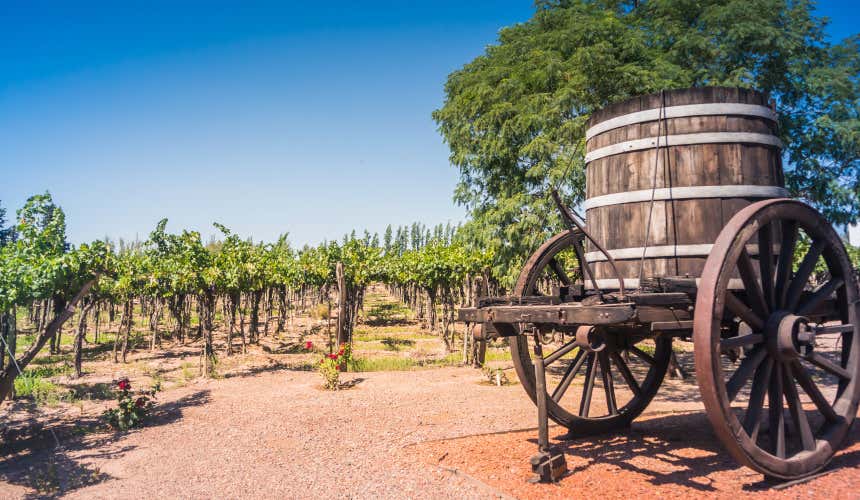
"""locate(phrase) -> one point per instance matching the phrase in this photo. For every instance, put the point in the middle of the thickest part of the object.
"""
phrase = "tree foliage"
(514, 117)
(39, 265)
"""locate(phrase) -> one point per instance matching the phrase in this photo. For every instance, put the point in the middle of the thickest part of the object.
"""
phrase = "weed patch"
(34, 384)
(382, 364)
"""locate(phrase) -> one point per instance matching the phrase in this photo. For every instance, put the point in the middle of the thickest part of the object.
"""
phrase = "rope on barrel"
(662, 131)
(573, 219)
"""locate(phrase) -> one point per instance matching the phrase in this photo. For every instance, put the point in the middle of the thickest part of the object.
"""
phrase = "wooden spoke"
(823, 292)
(798, 282)
(747, 272)
(760, 405)
(559, 272)
(828, 366)
(590, 372)
(741, 341)
(554, 263)
(765, 264)
(744, 372)
(786, 260)
(644, 356)
(798, 415)
(626, 374)
(568, 377)
(608, 388)
(566, 348)
(743, 311)
(752, 419)
(812, 391)
(776, 418)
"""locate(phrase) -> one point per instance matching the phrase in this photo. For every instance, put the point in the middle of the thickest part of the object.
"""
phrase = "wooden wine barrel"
(701, 154)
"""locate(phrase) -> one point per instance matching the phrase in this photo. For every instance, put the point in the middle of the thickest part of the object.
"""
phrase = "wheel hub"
(588, 338)
(789, 336)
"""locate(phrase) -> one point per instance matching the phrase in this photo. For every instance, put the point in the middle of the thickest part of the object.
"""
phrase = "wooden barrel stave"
(692, 223)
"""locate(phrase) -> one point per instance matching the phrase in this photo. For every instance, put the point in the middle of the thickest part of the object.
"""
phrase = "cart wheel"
(778, 343)
(630, 371)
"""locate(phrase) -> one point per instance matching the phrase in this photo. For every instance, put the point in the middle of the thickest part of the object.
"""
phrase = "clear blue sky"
(311, 118)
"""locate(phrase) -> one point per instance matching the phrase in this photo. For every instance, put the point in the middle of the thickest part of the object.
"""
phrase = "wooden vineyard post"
(342, 334)
(328, 328)
(478, 349)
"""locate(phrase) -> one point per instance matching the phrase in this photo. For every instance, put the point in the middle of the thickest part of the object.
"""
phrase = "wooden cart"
(689, 235)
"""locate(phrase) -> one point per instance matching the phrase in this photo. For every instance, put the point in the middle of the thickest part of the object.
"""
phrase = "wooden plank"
(668, 326)
(565, 314)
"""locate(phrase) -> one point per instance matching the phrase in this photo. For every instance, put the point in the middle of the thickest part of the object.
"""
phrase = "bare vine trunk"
(79, 338)
(61, 315)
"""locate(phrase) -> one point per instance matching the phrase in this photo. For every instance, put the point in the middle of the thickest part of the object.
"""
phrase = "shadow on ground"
(677, 449)
(55, 458)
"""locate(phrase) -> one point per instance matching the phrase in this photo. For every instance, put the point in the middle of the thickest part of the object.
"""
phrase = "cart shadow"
(678, 449)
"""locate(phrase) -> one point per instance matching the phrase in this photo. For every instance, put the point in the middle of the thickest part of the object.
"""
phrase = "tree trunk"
(342, 333)
(233, 299)
(268, 309)
(125, 324)
(98, 315)
(200, 313)
(254, 329)
(431, 306)
(119, 332)
(207, 355)
(61, 315)
(242, 324)
(79, 339)
(9, 340)
(282, 306)
(44, 318)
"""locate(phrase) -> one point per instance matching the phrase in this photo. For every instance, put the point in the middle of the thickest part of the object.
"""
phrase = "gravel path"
(275, 434)
(278, 435)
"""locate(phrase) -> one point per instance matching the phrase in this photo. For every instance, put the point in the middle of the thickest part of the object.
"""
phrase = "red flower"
(341, 368)
(124, 384)
(139, 403)
(309, 345)
(332, 356)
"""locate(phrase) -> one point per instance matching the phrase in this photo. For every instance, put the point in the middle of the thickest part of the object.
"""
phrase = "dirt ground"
(428, 433)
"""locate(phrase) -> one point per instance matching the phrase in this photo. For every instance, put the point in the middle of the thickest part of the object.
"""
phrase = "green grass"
(498, 355)
(189, 371)
(382, 364)
(34, 384)
(387, 311)
(383, 333)
(368, 346)
(646, 347)
(97, 391)
(452, 359)
(51, 366)
(395, 344)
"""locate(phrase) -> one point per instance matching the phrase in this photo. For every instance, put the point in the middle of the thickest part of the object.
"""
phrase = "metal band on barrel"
(664, 251)
(711, 109)
(686, 193)
(629, 283)
(684, 140)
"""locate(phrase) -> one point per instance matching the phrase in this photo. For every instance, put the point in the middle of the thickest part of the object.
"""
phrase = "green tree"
(41, 266)
(388, 239)
(7, 233)
(514, 118)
